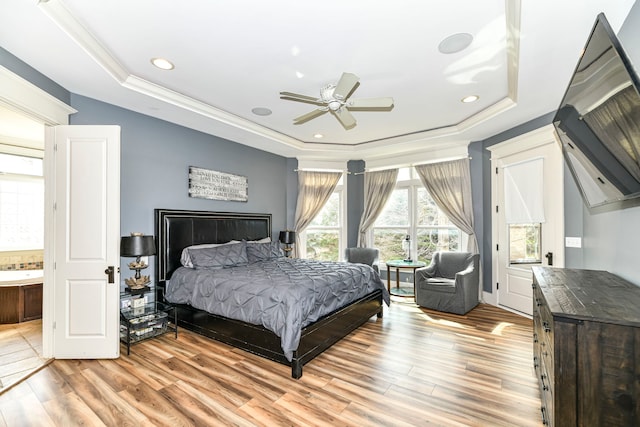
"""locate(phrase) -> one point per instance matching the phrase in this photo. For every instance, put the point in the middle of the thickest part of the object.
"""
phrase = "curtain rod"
(441, 161)
(347, 172)
(364, 171)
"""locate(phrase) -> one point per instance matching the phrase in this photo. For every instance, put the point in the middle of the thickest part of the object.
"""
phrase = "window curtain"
(314, 189)
(378, 186)
(449, 184)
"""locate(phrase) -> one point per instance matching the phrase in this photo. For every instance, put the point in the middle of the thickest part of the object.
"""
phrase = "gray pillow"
(229, 255)
(264, 251)
(185, 257)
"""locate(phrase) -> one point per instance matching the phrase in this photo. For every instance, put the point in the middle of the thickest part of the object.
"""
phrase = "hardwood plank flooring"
(20, 350)
(413, 367)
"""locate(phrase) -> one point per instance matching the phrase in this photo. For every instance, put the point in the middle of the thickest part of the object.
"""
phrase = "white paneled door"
(87, 234)
(528, 228)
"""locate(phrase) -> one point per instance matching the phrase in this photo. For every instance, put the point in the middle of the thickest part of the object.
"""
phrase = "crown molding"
(26, 98)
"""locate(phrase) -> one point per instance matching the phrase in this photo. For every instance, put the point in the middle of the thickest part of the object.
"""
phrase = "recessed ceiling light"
(261, 111)
(163, 64)
(455, 43)
(318, 135)
(470, 98)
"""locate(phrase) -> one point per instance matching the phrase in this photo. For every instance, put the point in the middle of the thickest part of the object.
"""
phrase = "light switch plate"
(573, 242)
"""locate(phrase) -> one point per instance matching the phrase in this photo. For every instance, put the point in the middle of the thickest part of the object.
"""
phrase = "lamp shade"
(137, 246)
(288, 237)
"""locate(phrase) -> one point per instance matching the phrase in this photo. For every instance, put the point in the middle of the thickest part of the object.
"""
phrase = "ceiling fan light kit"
(334, 98)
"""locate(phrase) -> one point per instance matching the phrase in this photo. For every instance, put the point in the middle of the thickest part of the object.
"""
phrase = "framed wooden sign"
(209, 184)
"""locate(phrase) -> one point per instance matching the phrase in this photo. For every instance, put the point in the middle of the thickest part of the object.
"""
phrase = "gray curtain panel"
(314, 189)
(449, 184)
(378, 186)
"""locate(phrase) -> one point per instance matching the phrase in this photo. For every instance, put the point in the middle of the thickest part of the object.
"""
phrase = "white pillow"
(264, 240)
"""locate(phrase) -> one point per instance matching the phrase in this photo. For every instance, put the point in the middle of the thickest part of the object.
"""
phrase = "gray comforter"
(283, 295)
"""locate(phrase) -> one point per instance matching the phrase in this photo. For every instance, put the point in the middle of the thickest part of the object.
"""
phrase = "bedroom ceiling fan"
(334, 98)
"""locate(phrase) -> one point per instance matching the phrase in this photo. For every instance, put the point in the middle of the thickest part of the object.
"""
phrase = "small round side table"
(399, 264)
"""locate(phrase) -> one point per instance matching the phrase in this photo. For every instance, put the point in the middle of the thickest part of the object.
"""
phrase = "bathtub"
(20, 295)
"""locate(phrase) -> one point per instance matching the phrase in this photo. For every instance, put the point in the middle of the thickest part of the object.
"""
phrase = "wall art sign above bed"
(209, 184)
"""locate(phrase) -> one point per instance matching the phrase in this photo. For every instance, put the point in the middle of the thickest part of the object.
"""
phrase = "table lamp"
(137, 245)
(288, 238)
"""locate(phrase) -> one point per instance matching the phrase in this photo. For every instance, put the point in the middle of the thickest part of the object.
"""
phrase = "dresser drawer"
(546, 393)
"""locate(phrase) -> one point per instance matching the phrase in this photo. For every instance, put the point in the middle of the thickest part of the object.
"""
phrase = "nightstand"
(147, 321)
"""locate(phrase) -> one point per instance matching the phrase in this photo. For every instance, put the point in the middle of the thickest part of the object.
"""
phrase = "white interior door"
(87, 233)
(512, 272)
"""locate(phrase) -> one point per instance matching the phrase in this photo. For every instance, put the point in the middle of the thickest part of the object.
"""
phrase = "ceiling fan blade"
(312, 115)
(300, 98)
(370, 103)
(347, 83)
(345, 117)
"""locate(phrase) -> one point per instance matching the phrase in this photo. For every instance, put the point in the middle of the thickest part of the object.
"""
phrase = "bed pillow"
(263, 240)
(221, 256)
(264, 251)
(185, 258)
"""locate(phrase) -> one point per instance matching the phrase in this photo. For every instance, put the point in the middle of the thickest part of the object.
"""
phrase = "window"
(21, 203)
(323, 238)
(411, 211)
(524, 243)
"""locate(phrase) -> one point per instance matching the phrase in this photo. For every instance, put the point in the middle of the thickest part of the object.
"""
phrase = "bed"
(178, 229)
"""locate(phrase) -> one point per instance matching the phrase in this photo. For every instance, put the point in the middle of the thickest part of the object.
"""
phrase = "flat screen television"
(598, 123)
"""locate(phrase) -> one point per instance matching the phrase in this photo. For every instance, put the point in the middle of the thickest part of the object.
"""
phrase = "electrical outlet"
(573, 242)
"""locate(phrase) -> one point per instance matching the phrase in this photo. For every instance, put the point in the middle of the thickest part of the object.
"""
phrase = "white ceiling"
(232, 56)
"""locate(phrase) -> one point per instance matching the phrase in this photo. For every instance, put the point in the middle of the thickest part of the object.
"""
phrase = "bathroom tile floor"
(20, 352)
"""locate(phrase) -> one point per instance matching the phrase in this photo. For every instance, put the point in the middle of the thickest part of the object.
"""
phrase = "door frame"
(537, 138)
(26, 98)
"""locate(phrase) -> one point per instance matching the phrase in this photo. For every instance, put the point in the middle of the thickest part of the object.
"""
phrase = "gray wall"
(355, 202)
(573, 221)
(33, 76)
(155, 159)
(479, 164)
(291, 193)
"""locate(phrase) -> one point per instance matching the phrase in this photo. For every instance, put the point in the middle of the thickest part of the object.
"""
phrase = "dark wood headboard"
(177, 229)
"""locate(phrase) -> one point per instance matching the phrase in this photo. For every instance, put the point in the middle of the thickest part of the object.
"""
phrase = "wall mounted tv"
(598, 123)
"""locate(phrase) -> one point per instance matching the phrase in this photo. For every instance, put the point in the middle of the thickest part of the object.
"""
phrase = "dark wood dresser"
(586, 347)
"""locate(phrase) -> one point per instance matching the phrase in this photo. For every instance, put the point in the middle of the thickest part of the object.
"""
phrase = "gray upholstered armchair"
(450, 283)
(367, 256)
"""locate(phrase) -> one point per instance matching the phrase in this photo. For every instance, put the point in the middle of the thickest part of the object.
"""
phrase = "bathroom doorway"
(21, 249)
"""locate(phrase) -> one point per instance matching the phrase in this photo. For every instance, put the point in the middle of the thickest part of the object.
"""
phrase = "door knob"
(549, 257)
(110, 272)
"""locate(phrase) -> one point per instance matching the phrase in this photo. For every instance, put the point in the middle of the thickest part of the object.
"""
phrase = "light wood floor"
(413, 367)
(20, 350)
